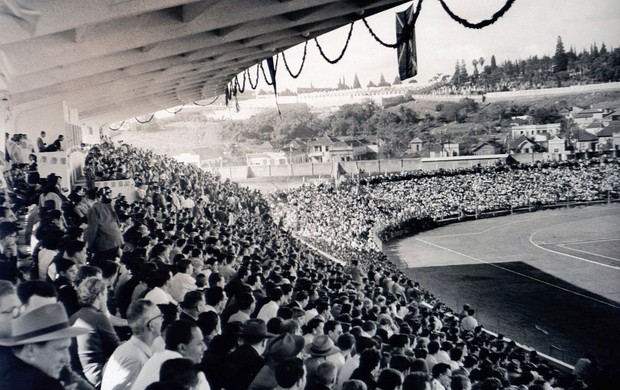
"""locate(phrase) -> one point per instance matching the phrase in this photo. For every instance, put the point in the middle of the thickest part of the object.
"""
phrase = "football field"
(549, 279)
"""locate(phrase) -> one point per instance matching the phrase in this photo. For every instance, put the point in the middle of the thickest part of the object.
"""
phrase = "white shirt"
(268, 311)
(159, 297)
(150, 372)
(181, 284)
(125, 364)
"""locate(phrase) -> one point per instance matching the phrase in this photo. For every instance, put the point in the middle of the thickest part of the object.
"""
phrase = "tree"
(493, 63)
(474, 62)
(456, 77)
(481, 62)
(356, 82)
(464, 75)
(397, 81)
(382, 82)
(370, 84)
(560, 59)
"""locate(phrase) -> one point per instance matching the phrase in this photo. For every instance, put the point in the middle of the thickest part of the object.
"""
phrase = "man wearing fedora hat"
(40, 341)
(319, 350)
(282, 347)
(244, 363)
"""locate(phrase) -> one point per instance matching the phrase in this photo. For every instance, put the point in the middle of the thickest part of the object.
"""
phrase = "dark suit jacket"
(17, 375)
(242, 365)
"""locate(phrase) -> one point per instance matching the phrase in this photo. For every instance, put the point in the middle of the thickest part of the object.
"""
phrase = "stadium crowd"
(346, 218)
(196, 286)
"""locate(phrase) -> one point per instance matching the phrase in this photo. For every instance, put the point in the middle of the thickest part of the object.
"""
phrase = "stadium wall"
(370, 167)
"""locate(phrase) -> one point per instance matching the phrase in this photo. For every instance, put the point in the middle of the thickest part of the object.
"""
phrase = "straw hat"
(45, 323)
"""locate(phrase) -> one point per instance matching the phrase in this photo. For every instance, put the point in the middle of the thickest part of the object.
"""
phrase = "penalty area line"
(520, 274)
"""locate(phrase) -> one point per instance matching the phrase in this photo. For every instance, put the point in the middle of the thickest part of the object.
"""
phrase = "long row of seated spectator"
(372, 204)
(195, 286)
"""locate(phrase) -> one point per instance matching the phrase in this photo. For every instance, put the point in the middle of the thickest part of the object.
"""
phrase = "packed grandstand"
(358, 323)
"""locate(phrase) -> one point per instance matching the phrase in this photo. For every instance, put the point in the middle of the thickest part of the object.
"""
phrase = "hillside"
(397, 125)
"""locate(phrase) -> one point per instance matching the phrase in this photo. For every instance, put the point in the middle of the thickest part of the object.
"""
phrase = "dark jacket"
(242, 365)
(17, 375)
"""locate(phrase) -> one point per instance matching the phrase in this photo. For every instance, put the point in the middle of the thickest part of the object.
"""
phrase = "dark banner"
(405, 34)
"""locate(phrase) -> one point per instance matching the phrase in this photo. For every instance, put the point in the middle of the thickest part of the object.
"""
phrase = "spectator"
(40, 353)
(94, 348)
(244, 363)
(290, 374)
(441, 376)
(103, 236)
(145, 321)
(182, 340)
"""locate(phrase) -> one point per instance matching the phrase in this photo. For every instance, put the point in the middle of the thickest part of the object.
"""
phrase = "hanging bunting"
(272, 73)
(406, 51)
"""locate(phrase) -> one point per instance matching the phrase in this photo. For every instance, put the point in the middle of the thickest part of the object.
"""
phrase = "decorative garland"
(344, 49)
(402, 37)
(175, 112)
(240, 88)
(481, 24)
(147, 121)
(118, 128)
(303, 61)
(275, 67)
(250, 79)
(208, 104)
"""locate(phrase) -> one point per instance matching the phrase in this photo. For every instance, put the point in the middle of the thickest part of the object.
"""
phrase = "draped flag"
(405, 34)
(25, 17)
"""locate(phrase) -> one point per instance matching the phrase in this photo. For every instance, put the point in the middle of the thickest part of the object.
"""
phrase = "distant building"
(524, 144)
(268, 158)
(585, 141)
(415, 146)
(584, 117)
(327, 149)
(609, 137)
(532, 131)
(445, 150)
(557, 146)
(296, 152)
(487, 147)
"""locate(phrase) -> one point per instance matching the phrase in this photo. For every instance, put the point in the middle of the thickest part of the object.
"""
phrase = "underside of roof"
(116, 59)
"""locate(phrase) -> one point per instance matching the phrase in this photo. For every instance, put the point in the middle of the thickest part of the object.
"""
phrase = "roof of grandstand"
(121, 59)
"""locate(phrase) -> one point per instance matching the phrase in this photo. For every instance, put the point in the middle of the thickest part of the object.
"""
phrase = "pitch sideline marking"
(520, 274)
(511, 223)
(487, 230)
(568, 255)
(589, 253)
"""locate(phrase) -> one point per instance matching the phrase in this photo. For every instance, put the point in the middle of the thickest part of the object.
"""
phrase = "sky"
(530, 27)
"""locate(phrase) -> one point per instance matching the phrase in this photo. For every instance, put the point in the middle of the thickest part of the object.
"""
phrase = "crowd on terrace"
(196, 286)
(381, 204)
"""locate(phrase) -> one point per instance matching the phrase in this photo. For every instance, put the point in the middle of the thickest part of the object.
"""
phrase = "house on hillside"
(585, 141)
(612, 116)
(524, 144)
(584, 117)
(487, 147)
(415, 145)
(609, 137)
(319, 149)
(532, 131)
(266, 158)
(556, 146)
(296, 152)
(265, 147)
(327, 149)
(209, 157)
(594, 127)
(445, 150)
